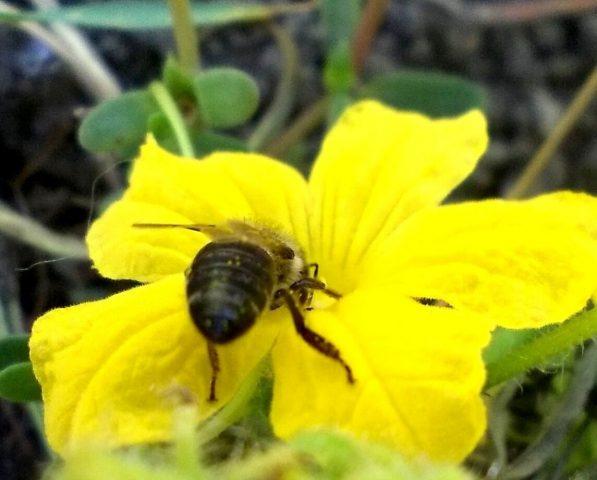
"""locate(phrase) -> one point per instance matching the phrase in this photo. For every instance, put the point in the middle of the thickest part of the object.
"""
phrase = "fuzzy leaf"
(118, 126)
(227, 97)
(13, 349)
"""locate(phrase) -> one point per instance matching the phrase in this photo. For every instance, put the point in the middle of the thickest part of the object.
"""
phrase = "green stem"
(185, 33)
(541, 349)
(175, 119)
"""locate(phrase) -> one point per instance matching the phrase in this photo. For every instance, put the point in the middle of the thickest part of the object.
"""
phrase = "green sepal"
(118, 126)
(18, 383)
(434, 94)
(207, 142)
(178, 82)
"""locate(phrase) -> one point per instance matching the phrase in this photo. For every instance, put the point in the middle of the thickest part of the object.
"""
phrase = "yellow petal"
(524, 264)
(114, 370)
(574, 209)
(166, 188)
(418, 375)
(120, 250)
(377, 167)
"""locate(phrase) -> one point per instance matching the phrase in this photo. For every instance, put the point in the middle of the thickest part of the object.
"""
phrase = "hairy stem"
(541, 349)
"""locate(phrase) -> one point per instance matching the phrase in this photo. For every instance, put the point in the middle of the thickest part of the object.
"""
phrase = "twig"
(527, 10)
(371, 18)
(28, 231)
(540, 160)
(513, 11)
(73, 49)
(281, 106)
(305, 123)
(95, 72)
(498, 422)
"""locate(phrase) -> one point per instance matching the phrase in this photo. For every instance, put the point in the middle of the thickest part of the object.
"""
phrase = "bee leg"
(315, 340)
(309, 298)
(315, 269)
(314, 284)
(214, 361)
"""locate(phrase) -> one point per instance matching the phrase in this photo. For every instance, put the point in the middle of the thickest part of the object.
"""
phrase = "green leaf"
(118, 126)
(434, 94)
(153, 14)
(18, 384)
(14, 349)
(227, 97)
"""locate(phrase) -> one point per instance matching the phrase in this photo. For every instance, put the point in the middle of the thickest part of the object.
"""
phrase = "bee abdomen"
(228, 286)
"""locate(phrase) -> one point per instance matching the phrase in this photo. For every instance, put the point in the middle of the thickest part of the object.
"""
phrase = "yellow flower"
(114, 369)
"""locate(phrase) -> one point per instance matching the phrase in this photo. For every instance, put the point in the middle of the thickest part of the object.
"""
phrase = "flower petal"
(524, 264)
(114, 370)
(418, 375)
(166, 188)
(377, 167)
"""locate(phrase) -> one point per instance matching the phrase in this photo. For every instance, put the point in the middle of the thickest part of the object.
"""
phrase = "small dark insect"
(245, 270)
(433, 302)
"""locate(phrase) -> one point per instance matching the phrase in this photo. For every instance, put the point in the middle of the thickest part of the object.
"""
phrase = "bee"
(245, 270)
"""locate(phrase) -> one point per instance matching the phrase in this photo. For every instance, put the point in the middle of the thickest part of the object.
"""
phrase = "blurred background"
(523, 60)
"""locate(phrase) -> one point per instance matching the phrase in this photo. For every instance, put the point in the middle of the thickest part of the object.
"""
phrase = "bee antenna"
(194, 227)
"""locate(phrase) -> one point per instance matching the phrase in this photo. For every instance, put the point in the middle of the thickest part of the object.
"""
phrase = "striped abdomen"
(228, 286)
